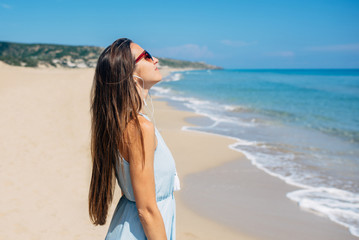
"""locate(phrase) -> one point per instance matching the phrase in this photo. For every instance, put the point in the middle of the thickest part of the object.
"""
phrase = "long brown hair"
(114, 102)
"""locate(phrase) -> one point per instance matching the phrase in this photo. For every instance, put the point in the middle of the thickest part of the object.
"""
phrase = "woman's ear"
(137, 77)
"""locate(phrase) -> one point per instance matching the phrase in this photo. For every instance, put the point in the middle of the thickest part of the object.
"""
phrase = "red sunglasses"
(145, 55)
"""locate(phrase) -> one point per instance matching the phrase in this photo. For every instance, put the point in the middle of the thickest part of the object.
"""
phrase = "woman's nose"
(156, 60)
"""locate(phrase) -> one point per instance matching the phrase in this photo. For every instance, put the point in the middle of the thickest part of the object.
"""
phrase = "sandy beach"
(45, 169)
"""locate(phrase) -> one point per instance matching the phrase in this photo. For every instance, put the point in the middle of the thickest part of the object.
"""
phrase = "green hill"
(33, 55)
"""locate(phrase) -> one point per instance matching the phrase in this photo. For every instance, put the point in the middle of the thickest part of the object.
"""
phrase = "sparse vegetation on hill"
(185, 64)
(33, 55)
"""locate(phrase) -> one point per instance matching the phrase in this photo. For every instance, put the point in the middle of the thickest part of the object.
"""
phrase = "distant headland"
(54, 55)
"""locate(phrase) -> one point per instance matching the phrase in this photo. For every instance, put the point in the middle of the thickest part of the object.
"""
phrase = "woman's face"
(145, 68)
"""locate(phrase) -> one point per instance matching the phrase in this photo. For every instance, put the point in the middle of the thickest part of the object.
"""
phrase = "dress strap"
(145, 116)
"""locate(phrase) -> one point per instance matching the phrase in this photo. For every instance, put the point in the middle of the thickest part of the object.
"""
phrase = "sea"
(299, 125)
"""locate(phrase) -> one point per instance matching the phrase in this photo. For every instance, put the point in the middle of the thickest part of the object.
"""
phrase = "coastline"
(261, 198)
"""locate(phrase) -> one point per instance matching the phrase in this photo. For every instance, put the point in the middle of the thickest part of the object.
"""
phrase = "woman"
(126, 144)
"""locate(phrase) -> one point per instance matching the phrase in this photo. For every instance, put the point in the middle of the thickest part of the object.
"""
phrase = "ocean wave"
(240, 109)
(338, 205)
(160, 90)
(172, 77)
(351, 135)
(205, 108)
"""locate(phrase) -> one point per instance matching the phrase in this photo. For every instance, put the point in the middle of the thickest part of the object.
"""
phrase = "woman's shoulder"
(146, 126)
(132, 136)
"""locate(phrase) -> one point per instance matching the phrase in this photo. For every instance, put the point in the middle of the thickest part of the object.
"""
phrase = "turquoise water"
(298, 125)
(327, 100)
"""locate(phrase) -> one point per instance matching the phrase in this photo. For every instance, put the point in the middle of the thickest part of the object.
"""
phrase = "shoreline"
(264, 205)
(331, 229)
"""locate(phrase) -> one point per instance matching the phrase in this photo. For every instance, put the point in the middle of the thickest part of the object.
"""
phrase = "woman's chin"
(157, 81)
(159, 77)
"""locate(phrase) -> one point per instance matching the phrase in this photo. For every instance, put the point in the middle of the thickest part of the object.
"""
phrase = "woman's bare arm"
(143, 180)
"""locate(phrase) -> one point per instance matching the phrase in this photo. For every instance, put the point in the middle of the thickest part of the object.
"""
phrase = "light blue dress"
(125, 223)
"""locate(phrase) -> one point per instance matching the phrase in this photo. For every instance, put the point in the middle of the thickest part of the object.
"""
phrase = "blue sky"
(231, 34)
